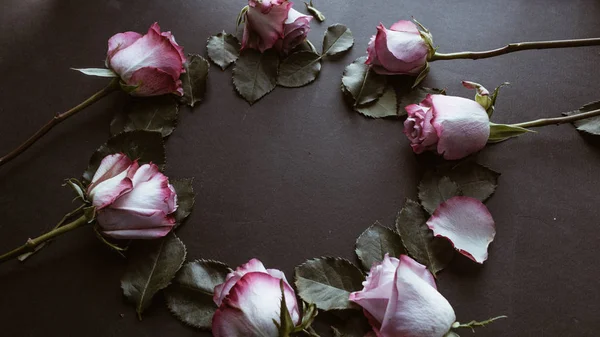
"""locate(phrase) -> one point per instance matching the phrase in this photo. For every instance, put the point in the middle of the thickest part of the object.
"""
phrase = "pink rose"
(400, 298)
(132, 201)
(153, 62)
(454, 127)
(249, 302)
(400, 50)
(274, 24)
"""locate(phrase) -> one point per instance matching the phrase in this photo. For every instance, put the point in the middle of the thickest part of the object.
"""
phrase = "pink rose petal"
(467, 223)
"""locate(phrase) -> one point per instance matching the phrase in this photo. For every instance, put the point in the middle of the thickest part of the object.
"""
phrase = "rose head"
(454, 127)
(249, 302)
(132, 201)
(400, 50)
(400, 298)
(153, 63)
(274, 24)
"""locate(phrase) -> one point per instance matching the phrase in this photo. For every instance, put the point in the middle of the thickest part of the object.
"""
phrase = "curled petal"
(120, 41)
(416, 308)
(134, 223)
(467, 223)
(253, 306)
(222, 290)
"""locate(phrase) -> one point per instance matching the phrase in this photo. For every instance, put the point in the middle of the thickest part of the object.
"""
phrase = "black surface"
(298, 175)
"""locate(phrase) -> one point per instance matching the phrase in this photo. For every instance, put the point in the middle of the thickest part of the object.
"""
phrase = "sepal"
(314, 11)
(502, 132)
(427, 37)
(241, 16)
(421, 76)
(98, 72)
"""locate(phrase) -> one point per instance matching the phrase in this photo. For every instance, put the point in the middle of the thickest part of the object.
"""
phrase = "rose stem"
(113, 85)
(558, 120)
(516, 47)
(32, 243)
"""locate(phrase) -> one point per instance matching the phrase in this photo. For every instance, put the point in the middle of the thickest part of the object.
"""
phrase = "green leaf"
(384, 106)
(338, 38)
(418, 239)
(502, 132)
(193, 80)
(223, 49)
(474, 180)
(375, 242)
(185, 198)
(347, 323)
(360, 81)
(150, 113)
(255, 74)
(415, 96)
(589, 126)
(190, 296)
(314, 12)
(146, 146)
(152, 266)
(99, 72)
(299, 69)
(434, 190)
(327, 282)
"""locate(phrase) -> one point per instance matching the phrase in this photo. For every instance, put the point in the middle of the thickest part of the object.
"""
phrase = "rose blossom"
(274, 24)
(452, 126)
(132, 201)
(400, 50)
(249, 302)
(400, 298)
(153, 62)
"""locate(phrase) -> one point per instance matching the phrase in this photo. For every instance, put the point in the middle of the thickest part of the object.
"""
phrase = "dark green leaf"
(255, 74)
(434, 190)
(415, 96)
(306, 45)
(384, 106)
(146, 146)
(190, 296)
(193, 80)
(152, 266)
(314, 12)
(223, 49)
(418, 239)
(299, 69)
(346, 323)
(474, 180)
(327, 282)
(338, 38)
(362, 83)
(502, 132)
(589, 125)
(375, 242)
(150, 114)
(185, 198)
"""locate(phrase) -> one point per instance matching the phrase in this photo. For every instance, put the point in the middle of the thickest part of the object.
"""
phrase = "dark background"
(299, 175)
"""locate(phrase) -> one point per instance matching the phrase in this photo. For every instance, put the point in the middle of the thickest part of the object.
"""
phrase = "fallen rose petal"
(467, 223)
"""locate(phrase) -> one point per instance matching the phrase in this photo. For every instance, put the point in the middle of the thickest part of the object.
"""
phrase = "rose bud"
(454, 127)
(150, 64)
(132, 201)
(274, 24)
(400, 298)
(296, 27)
(249, 302)
(400, 50)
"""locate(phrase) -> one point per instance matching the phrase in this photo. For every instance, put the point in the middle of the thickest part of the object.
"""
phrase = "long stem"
(32, 243)
(558, 120)
(513, 47)
(112, 86)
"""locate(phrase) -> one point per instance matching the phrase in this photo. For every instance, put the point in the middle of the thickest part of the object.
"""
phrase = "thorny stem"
(112, 86)
(513, 47)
